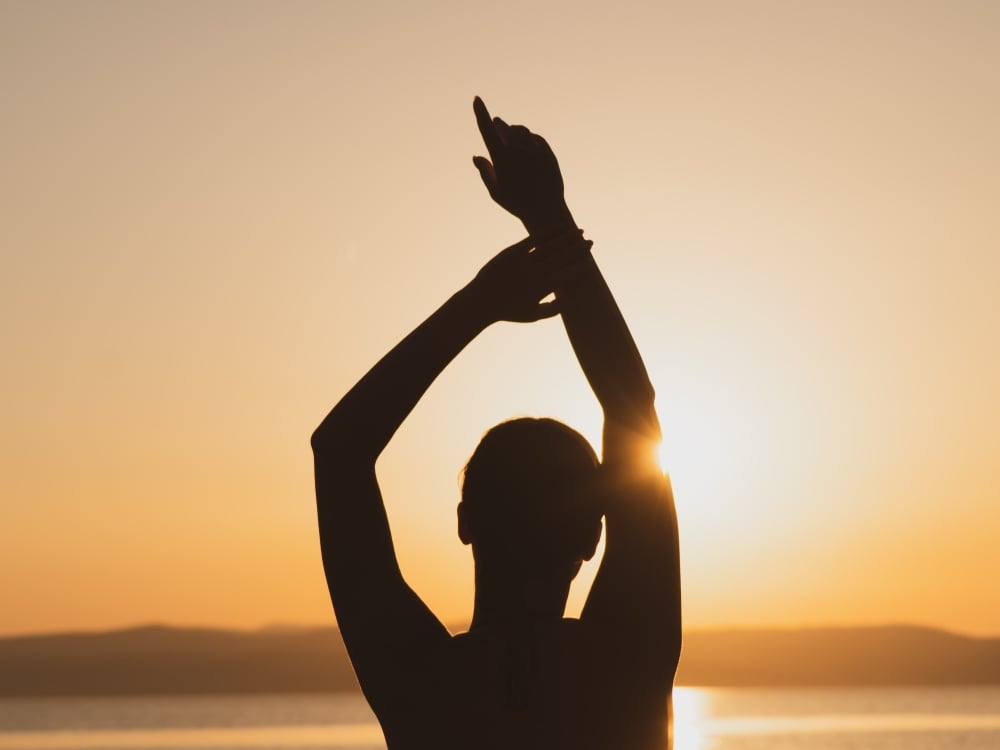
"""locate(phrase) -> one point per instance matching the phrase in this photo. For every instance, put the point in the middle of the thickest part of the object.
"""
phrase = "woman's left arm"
(381, 619)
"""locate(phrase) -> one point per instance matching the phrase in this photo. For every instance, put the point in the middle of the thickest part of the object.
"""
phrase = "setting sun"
(218, 217)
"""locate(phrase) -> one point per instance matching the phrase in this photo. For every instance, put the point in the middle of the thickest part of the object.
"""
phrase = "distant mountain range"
(166, 660)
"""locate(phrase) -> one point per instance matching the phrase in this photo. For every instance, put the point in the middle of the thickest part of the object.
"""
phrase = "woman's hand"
(513, 284)
(524, 176)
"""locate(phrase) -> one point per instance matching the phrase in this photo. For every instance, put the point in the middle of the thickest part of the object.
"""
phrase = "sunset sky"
(217, 216)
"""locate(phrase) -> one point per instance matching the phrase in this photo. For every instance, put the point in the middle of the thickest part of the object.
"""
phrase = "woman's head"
(530, 496)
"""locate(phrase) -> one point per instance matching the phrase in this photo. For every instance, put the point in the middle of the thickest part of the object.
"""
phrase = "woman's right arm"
(635, 598)
(636, 593)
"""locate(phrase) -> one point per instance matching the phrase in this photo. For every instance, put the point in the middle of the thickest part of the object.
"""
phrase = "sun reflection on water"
(690, 710)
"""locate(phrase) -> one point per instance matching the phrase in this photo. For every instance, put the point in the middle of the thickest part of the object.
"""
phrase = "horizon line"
(456, 627)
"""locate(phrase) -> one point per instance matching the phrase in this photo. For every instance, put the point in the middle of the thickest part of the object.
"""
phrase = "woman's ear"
(464, 532)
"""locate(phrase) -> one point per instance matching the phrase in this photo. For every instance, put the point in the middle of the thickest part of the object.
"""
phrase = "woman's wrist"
(552, 224)
(568, 248)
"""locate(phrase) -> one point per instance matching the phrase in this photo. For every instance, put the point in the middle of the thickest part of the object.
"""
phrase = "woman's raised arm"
(635, 598)
(381, 619)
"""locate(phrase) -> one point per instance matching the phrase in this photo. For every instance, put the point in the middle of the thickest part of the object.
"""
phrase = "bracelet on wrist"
(570, 245)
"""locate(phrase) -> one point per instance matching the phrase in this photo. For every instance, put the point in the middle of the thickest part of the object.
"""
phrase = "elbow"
(339, 443)
(331, 435)
(329, 443)
(318, 439)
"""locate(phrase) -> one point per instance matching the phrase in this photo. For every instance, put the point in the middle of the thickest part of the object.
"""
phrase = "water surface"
(706, 719)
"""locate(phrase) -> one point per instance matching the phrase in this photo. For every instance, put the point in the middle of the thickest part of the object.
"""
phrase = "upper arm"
(635, 598)
(385, 625)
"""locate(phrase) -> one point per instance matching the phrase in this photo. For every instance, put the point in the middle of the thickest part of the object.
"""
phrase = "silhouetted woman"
(533, 496)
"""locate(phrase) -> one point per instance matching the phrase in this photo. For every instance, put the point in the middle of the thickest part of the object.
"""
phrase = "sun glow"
(662, 457)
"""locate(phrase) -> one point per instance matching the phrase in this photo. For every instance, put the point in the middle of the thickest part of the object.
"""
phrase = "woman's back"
(551, 684)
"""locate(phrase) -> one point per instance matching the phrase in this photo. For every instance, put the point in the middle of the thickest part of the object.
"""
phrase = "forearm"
(358, 556)
(603, 343)
(364, 420)
(525, 179)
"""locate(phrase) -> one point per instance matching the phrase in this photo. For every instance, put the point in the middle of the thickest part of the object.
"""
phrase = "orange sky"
(217, 217)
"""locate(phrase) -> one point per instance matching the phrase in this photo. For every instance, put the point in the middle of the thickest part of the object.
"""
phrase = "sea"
(959, 718)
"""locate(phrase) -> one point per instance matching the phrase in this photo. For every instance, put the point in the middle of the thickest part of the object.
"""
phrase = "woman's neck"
(503, 599)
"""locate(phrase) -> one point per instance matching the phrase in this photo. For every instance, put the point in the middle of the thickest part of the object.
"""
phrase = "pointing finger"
(487, 128)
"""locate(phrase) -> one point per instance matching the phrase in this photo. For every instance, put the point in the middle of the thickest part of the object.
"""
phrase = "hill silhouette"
(165, 660)
(890, 655)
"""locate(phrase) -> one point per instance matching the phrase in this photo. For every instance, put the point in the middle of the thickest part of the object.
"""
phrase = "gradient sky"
(217, 216)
